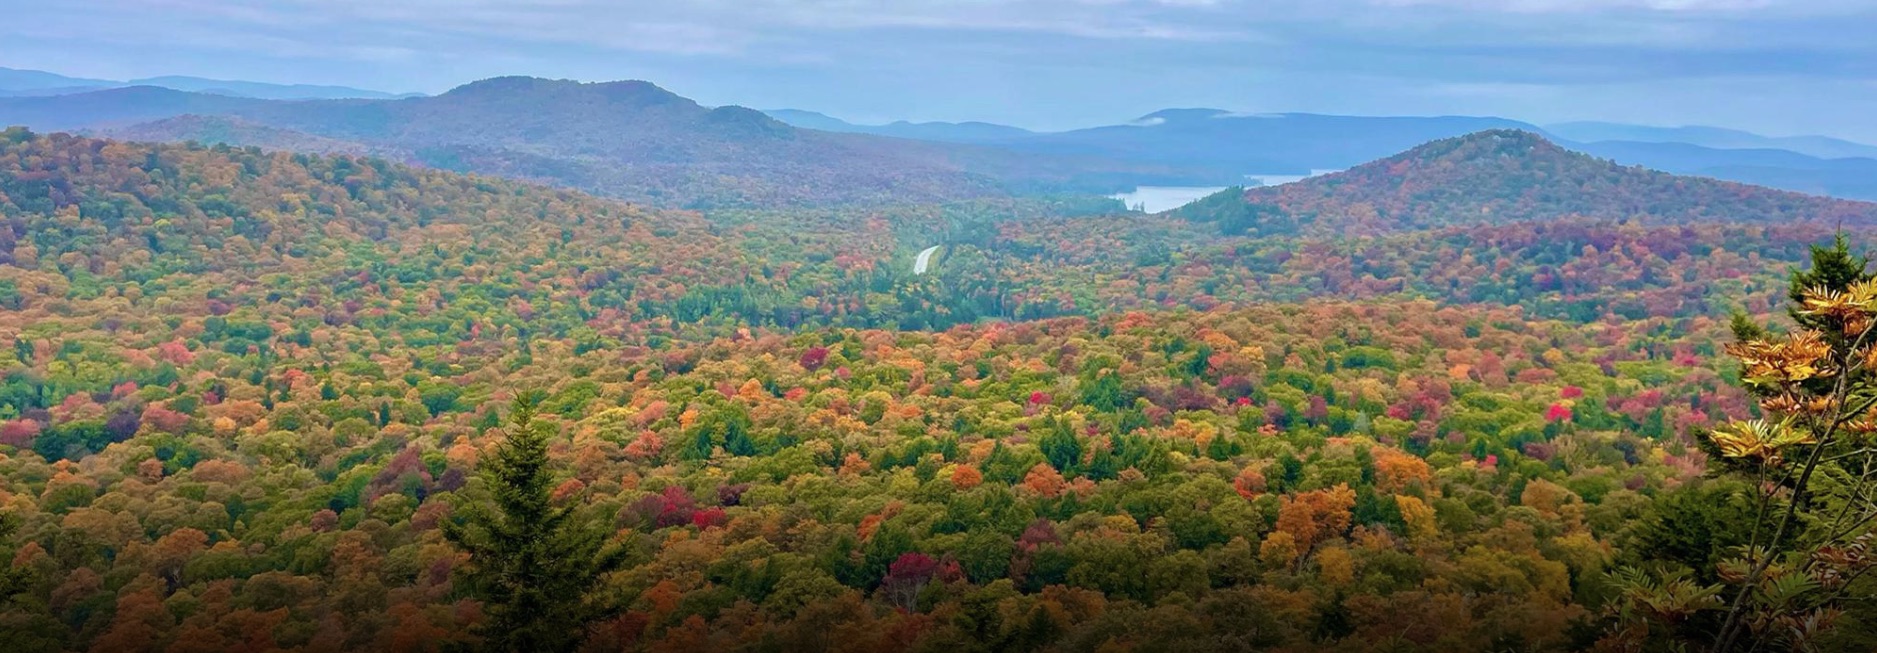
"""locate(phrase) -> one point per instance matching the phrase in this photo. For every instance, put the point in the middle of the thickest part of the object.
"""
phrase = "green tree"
(1104, 392)
(535, 568)
(1810, 461)
(1061, 447)
(1835, 268)
(12, 580)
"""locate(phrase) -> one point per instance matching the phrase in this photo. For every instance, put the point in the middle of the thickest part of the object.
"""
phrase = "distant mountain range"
(630, 140)
(1502, 176)
(1712, 137)
(637, 141)
(27, 83)
(950, 132)
(1296, 144)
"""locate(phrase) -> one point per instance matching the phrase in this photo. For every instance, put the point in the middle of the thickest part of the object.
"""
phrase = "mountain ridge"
(1256, 144)
(625, 139)
(969, 131)
(1823, 147)
(39, 82)
(1498, 176)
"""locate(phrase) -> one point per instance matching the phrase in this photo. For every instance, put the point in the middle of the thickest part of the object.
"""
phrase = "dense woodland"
(265, 401)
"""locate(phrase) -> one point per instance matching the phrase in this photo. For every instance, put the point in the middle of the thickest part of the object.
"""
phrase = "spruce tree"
(1833, 268)
(12, 580)
(533, 566)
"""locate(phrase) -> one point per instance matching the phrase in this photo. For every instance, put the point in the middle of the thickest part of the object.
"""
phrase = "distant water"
(1154, 199)
(1279, 180)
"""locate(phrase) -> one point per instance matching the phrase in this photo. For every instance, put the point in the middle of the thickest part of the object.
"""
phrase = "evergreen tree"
(1833, 268)
(1060, 446)
(701, 447)
(13, 579)
(736, 439)
(531, 564)
(1104, 393)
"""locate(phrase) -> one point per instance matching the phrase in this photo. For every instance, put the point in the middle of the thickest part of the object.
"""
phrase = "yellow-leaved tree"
(1809, 460)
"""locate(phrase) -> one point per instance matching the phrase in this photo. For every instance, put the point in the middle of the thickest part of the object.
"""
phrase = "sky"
(1780, 67)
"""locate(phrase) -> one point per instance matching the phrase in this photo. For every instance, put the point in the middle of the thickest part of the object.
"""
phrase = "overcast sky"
(1775, 66)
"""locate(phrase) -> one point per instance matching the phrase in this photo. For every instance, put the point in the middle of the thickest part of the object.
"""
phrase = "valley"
(333, 374)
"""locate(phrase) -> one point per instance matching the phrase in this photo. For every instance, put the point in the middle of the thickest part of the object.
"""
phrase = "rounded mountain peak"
(634, 92)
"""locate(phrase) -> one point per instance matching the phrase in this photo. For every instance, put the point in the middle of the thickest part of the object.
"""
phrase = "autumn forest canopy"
(365, 377)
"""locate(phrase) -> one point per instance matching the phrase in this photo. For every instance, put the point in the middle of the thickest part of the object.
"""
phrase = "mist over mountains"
(16, 82)
(638, 141)
(1297, 143)
(630, 139)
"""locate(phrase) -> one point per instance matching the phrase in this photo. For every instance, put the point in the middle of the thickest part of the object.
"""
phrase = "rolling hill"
(252, 388)
(1502, 176)
(191, 214)
(630, 140)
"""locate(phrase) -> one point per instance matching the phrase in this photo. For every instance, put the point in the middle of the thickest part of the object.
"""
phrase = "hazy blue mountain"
(1677, 157)
(950, 132)
(961, 132)
(45, 92)
(264, 90)
(627, 139)
(1823, 147)
(13, 79)
(1293, 143)
(1851, 177)
(16, 83)
(636, 140)
(1213, 138)
(1497, 177)
(115, 107)
(814, 120)
(1297, 144)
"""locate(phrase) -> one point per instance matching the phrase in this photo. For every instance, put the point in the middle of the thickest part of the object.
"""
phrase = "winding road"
(924, 262)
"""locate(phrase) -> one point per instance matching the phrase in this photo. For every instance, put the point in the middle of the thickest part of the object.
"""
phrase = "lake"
(1154, 199)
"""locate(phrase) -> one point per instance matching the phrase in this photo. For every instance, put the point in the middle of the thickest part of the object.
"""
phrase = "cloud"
(745, 27)
(1581, 6)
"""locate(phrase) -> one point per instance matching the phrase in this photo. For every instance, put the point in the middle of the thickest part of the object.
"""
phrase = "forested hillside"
(264, 401)
(1501, 176)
